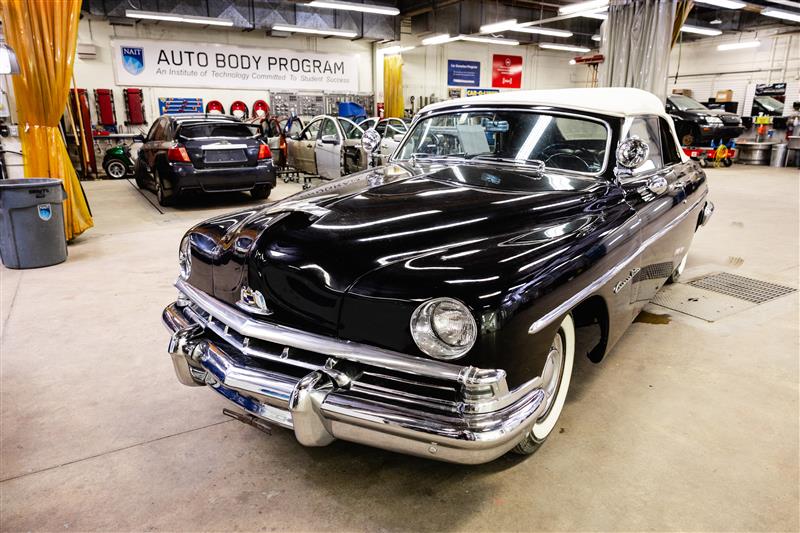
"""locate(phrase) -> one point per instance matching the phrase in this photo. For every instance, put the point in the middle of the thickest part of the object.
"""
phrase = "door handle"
(658, 185)
(309, 145)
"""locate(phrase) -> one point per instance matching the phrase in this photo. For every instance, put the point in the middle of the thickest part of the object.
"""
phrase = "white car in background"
(328, 147)
(391, 131)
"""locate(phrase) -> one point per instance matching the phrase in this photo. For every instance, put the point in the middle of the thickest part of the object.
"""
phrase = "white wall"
(99, 72)
(706, 70)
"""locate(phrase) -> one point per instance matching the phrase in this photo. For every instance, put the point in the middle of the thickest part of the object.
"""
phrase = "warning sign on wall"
(506, 71)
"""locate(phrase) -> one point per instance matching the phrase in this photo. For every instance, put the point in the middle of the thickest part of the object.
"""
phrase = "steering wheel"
(561, 150)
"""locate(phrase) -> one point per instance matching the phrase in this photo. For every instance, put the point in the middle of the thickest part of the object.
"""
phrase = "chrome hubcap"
(117, 170)
(551, 375)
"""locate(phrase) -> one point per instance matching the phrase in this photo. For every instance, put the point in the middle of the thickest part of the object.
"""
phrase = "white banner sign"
(139, 62)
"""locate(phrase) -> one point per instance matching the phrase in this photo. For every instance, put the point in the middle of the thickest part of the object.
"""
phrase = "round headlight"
(185, 258)
(443, 328)
(370, 140)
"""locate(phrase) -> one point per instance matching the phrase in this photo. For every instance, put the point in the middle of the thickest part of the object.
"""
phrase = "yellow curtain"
(393, 86)
(44, 35)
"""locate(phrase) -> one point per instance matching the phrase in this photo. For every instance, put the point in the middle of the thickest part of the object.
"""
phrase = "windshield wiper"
(535, 164)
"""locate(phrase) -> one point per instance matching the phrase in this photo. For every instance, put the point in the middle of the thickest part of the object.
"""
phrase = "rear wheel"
(556, 376)
(678, 272)
(139, 174)
(261, 192)
(115, 169)
(164, 193)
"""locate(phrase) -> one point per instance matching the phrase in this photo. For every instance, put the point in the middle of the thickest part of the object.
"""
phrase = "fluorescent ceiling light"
(582, 6)
(701, 31)
(314, 31)
(439, 39)
(565, 47)
(391, 50)
(496, 27)
(172, 17)
(727, 4)
(596, 38)
(778, 14)
(739, 46)
(353, 6)
(573, 62)
(542, 31)
(490, 40)
(597, 16)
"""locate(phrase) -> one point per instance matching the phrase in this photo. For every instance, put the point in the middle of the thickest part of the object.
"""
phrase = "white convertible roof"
(615, 101)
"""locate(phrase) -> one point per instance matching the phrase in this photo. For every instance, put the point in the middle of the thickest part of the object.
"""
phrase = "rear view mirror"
(329, 139)
(138, 138)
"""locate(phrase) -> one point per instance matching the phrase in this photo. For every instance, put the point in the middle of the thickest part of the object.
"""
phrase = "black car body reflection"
(341, 270)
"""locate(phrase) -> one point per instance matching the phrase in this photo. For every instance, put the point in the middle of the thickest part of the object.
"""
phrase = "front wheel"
(556, 376)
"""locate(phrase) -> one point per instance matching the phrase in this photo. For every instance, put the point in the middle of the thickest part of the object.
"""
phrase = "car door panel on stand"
(329, 150)
(304, 147)
(656, 192)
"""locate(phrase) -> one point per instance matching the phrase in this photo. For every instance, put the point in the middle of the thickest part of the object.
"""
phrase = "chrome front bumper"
(324, 389)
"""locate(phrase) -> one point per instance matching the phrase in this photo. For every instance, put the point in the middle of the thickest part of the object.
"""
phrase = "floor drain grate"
(743, 288)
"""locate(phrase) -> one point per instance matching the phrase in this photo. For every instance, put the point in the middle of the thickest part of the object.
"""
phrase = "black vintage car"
(209, 153)
(433, 306)
(698, 125)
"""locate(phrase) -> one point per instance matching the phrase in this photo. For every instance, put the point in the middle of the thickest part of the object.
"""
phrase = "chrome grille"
(376, 384)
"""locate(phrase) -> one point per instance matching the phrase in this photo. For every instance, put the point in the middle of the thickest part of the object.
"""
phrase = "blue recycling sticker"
(45, 211)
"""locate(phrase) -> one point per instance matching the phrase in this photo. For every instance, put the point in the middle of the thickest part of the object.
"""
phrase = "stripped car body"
(305, 313)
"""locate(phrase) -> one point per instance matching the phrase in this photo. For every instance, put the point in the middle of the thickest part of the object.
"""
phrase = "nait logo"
(133, 59)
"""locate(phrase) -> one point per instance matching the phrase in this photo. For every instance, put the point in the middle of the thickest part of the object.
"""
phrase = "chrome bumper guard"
(323, 388)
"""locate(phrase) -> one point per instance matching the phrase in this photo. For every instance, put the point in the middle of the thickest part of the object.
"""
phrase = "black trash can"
(32, 222)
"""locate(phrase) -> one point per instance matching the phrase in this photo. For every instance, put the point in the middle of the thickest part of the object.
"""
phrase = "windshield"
(684, 103)
(770, 103)
(565, 143)
(237, 131)
(351, 131)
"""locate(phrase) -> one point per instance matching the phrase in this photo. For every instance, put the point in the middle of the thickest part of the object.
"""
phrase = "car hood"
(304, 253)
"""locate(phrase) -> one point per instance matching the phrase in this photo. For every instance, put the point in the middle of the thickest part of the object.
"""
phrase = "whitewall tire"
(556, 377)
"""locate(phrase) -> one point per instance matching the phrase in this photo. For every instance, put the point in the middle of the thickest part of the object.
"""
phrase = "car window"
(669, 148)
(273, 128)
(684, 103)
(367, 124)
(398, 125)
(312, 130)
(229, 131)
(381, 127)
(351, 131)
(647, 130)
(329, 128)
(558, 142)
(156, 131)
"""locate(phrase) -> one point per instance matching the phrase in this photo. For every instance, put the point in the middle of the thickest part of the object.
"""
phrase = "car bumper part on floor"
(323, 388)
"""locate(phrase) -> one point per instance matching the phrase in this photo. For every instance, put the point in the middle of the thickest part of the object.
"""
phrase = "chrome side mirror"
(632, 153)
(398, 137)
(329, 139)
(370, 140)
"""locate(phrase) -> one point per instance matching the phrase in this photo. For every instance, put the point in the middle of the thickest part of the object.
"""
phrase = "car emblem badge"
(619, 286)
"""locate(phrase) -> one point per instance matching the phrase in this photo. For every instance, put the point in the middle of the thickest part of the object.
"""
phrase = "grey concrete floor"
(687, 425)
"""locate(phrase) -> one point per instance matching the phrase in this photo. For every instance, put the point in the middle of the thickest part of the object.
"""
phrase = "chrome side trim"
(347, 350)
(594, 286)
